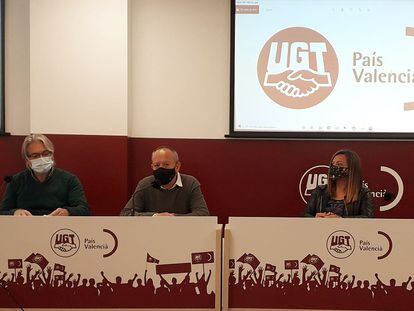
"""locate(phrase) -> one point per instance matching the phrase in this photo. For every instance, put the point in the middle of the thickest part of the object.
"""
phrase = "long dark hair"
(354, 178)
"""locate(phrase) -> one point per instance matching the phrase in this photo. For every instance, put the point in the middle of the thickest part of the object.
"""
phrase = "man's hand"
(327, 215)
(332, 215)
(163, 214)
(22, 212)
(60, 212)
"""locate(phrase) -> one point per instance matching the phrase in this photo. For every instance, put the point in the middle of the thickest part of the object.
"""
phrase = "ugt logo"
(297, 68)
(313, 177)
(65, 243)
(340, 244)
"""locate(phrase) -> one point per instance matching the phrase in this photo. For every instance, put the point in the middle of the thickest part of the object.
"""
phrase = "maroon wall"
(238, 177)
(10, 159)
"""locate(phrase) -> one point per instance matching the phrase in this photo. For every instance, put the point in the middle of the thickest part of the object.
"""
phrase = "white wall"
(180, 68)
(78, 66)
(175, 82)
(17, 55)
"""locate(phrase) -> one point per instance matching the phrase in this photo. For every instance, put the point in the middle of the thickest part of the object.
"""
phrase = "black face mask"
(164, 175)
(337, 172)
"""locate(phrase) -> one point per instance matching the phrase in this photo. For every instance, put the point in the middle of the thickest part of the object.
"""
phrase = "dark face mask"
(164, 175)
(337, 172)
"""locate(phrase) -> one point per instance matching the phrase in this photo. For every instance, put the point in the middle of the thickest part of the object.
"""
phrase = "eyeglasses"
(164, 165)
(43, 154)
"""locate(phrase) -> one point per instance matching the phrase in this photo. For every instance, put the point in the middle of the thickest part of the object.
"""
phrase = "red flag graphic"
(249, 259)
(59, 267)
(204, 257)
(333, 268)
(38, 259)
(173, 268)
(313, 260)
(270, 277)
(270, 267)
(151, 259)
(291, 264)
(59, 277)
(232, 264)
(306, 259)
(15, 263)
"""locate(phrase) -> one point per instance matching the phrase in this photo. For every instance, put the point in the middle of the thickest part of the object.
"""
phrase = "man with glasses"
(166, 192)
(43, 189)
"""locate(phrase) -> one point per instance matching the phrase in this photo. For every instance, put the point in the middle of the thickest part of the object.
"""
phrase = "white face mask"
(42, 165)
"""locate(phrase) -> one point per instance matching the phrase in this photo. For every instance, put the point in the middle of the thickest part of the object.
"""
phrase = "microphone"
(155, 184)
(388, 196)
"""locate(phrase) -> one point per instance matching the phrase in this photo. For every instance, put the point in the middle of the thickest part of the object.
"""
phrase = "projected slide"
(324, 66)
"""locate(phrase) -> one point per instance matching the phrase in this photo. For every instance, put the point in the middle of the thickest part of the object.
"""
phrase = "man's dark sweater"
(186, 200)
(60, 189)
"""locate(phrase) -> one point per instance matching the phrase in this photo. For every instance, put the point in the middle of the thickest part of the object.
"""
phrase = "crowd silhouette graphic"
(35, 283)
(312, 284)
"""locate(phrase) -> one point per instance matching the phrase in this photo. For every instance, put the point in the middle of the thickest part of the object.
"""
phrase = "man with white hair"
(43, 189)
(166, 192)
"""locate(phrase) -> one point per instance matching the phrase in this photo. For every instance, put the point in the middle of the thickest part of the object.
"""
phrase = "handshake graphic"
(297, 83)
(65, 247)
(340, 248)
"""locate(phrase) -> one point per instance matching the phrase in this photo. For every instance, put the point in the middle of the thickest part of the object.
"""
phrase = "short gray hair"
(175, 153)
(33, 138)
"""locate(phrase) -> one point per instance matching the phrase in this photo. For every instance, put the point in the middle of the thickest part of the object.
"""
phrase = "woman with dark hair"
(344, 195)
